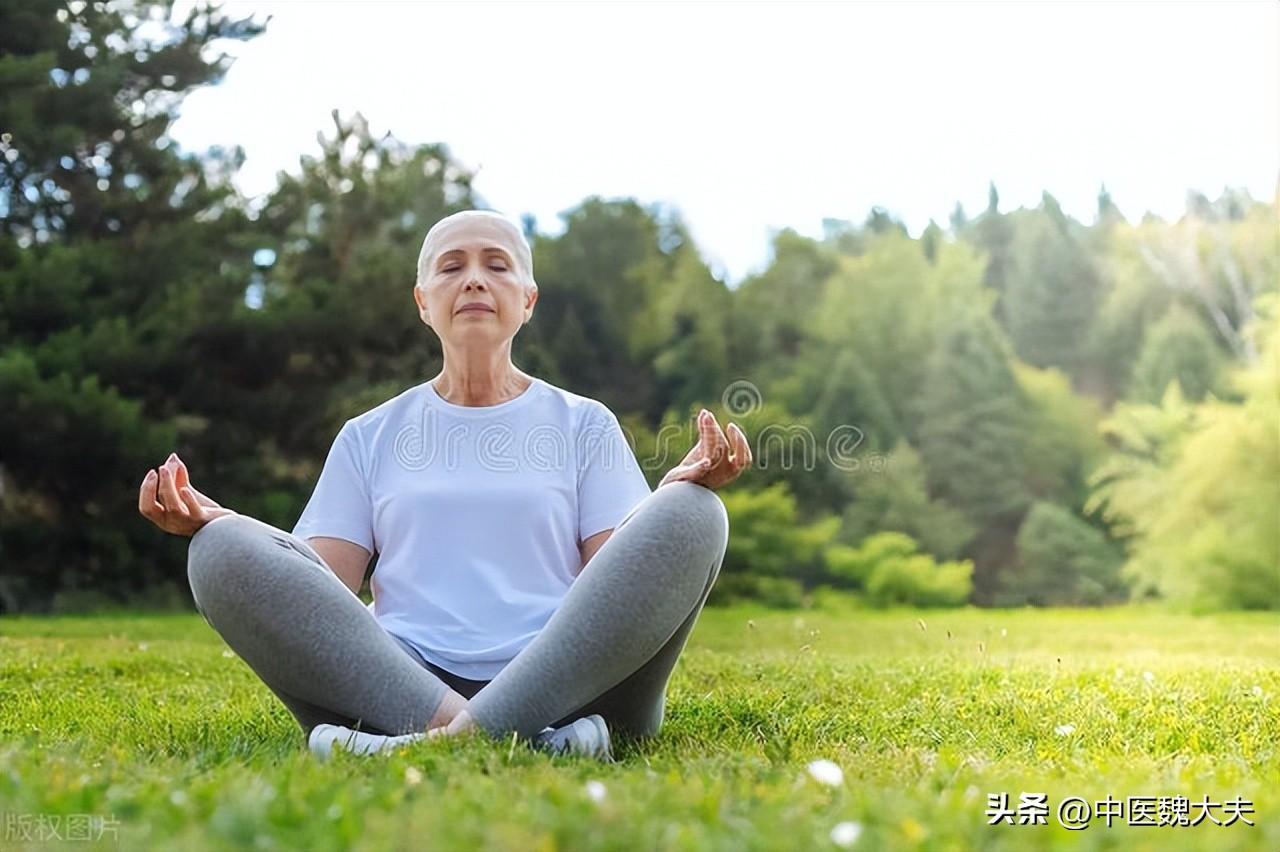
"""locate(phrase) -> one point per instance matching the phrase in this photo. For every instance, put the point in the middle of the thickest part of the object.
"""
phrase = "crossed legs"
(303, 632)
(610, 648)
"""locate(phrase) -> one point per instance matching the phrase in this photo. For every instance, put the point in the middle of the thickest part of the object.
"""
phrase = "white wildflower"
(1148, 677)
(846, 833)
(1065, 730)
(826, 772)
(596, 791)
(1257, 691)
(228, 653)
(412, 776)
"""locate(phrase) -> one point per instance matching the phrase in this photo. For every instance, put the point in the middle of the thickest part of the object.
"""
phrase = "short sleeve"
(610, 482)
(340, 506)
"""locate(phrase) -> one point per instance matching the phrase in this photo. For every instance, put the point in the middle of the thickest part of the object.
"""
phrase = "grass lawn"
(148, 725)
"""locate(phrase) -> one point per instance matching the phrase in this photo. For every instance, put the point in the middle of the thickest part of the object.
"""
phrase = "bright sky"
(750, 117)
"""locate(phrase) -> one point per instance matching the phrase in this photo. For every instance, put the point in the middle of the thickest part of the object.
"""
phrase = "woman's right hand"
(168, 500)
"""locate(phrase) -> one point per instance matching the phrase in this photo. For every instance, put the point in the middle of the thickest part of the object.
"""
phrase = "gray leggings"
(609, 648)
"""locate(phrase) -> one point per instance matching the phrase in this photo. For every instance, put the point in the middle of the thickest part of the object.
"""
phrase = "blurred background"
(991, 287)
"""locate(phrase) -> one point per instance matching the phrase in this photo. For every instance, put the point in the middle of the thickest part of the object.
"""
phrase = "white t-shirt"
(476, 513)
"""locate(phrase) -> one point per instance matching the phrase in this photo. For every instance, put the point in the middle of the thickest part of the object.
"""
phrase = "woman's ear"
(529, 303)
(420, 299)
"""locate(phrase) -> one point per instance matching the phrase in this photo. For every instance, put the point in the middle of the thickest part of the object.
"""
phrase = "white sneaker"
(324, 738)
(588, 736)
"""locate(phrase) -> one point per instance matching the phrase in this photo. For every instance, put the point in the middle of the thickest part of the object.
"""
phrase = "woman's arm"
(345, 559)
(589, 547)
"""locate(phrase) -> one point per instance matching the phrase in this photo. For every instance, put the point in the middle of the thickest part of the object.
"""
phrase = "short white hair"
(524, 256)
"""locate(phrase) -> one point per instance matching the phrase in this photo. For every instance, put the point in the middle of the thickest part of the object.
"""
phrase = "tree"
(1194, 488)
(113, 247)
(1052, 290)
(972, 434)
(609, 265)
(896, 498)
(929, 240)
(992, 231)
(1177, 348)
(1221, 255)
(689, 317)
(1062, 443)
(1108, 214)
(1063, 561)
(773, 311)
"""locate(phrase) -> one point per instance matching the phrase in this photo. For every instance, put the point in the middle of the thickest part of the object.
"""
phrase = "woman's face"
(474, 263)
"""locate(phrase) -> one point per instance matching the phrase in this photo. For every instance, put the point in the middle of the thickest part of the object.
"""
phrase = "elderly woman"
(527, 581)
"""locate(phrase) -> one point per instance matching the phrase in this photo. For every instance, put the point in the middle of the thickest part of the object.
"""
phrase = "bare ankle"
(452, 705)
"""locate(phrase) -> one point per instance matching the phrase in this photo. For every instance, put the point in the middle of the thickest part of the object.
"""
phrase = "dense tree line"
(1018, 408)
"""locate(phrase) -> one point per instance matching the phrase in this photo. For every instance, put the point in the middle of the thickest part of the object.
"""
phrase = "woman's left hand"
(716, 460)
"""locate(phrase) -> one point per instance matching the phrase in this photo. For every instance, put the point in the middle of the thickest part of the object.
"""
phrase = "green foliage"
(146, 307)
(112, 245)
(689, 339)
(1177, 348)
(1196, 490)
(775, 310)
(891, 571)
(973, 422)
(773, 592)
(853, 566)
(1064, 562)
(992, 232)
(1052, 289)
(1062, 442)
(597, 285)
(919, 581)
(88, 91)
(894, 497)
(768, 540)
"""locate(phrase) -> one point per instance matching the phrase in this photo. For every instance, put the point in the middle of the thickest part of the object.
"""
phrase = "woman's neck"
(491, 385)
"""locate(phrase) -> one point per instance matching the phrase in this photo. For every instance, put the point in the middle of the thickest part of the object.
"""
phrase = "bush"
(766, 537)
(831, 599)
(919, 581)
(1064, 562)
(779, 592)
(897, 499)
(853, 566)
(890, 569)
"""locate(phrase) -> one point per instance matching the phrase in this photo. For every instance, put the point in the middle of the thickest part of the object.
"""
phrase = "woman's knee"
(701, 509)
(225, 547)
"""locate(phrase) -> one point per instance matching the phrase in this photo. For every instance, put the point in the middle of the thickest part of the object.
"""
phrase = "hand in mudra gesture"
(716, 460)
(168, 500)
